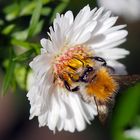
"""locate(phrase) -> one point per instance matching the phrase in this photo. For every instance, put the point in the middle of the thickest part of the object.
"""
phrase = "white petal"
(128, 9)
(53, 114)
(69, 15)
(41, 64)
(47, 45)
(107, 24)
(114, 53)
(111, 38)
(119, 68)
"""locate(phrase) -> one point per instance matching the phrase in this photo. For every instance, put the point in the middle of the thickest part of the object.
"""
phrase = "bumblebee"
(91, 78)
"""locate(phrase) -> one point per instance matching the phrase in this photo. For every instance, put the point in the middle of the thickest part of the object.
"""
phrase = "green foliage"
(59, 8)
(126, 112)
(35, 18)
(21, 26)
(24, 56)
(8, 29)
(9, 73)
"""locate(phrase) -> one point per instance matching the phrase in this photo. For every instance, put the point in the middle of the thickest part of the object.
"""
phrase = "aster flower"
(133, 133)
(129, 9)
(55, 99)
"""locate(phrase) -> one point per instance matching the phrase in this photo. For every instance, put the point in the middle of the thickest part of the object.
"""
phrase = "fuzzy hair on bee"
(97, 81)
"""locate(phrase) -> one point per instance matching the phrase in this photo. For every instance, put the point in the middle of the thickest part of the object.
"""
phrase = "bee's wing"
(125, 81)
(104, 108)
(102, 112)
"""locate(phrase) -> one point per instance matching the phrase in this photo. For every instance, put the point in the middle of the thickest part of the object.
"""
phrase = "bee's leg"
(100, 59)
(111, 69)
(74, 80)
(68, 87)
(72, 68)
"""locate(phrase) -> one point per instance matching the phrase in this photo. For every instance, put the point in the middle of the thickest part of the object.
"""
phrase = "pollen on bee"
(71, 57)
(70, 62)
(103, 86)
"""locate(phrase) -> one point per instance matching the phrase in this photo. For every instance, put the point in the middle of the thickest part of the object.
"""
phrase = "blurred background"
(22, 24)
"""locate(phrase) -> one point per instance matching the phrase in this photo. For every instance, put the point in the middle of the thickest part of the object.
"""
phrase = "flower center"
(70, 64)
(73, 58)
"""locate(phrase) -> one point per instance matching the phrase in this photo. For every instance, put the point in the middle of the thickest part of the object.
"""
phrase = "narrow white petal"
(114, 53)
(69, 15)
(107, 24)
(119, 68)
(111, 38)
(47, 45)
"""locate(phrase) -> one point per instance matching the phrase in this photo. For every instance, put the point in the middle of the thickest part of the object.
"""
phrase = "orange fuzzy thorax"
(103, 86)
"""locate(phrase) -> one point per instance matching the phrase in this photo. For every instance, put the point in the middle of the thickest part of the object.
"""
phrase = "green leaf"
(35, 18)
(1, 22)
(20, 35)
(46, 1)
(20, 75)
(27, 8)
(46, 11)
(8, 29)
(126, 111)
(20, 43)
(9, 74)
(28, 45)
(38, 27)
(24, 56)
(11, 11)
(59, 9)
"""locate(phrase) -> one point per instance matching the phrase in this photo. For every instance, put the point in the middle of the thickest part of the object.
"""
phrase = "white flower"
(129, 9)
(90, 31)
(133, 133)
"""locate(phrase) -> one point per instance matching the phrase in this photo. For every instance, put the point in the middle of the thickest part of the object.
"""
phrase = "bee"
(94, 81)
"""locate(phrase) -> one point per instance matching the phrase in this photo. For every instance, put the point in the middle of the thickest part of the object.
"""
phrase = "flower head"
(77, 52)
(133, 133)
(128, 9)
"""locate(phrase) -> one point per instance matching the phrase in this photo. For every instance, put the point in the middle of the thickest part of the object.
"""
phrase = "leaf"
(46, 1)
(11, 11)
(20, 74)
(8, 29)
(46, 11)
(9, 74)
(28, 45)
(20, 43)
(20, 35)
(128, 106)
(126, 111)
(27, 7)
(35, 18)
(1, 22)
(24, 56)
(59, 9)
(38, 27)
